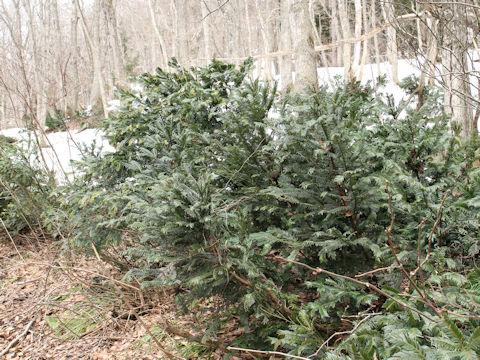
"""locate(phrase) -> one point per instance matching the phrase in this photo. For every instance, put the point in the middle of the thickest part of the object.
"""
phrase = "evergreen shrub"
(56, 121)
(223, 186)
(25, 188)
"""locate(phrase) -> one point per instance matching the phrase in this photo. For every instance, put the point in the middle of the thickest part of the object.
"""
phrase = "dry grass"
(80, 308)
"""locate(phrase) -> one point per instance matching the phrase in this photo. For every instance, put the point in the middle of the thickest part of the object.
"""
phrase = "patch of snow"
(15, 133)
(136, 87)
(114, 105)
(64, 147)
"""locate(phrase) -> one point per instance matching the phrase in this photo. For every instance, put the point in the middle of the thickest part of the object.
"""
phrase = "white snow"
(63, 147)
(114, 105)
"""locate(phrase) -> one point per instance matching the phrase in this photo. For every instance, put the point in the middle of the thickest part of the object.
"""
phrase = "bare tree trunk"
(432, 49)
(114, 40)
(26, 94)
(357, 47)
(430, 57)
(173, 9)
(74, 40)
(318, 38)
(97, 69)
(266, 46)
(365, 43)
(160, 39)
(183, 48)
(388, 11)
(40, 93)
(236, 8)
(58, 68)
(305, 57)
(373, 19)
(206, 33)
(455, 69)
(336, 34)
(419, 28)
(347, 53)
(3, 117)
(249, 28)
(285, 38)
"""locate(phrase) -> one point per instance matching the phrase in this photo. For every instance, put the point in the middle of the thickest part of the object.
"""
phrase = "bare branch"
(210, 12)
(362, 283)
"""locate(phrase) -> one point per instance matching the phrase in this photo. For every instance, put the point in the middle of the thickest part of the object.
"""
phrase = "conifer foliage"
(277, 203)
(25, 188)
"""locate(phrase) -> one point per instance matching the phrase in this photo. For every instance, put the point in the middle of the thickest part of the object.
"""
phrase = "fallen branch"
(191, 337)
(11, 239)
(268, 353)
(359, 282)
(336, 44)
(18, 339)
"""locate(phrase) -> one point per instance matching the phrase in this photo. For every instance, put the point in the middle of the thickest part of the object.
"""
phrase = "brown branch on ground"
(18, 339)
(267, 352)
(359, 282)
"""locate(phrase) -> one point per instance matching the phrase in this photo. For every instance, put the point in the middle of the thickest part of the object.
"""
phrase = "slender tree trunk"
(266, 46)
(318, 38)
(40, 93)
(430, 56)
(97, 68)
(388, 11)
(113, 39)
(337, 55)
(173, 9)
(419, 28)
(183, 48)
(373, 19)
(347, 52)
(285, 39)
(74, 41)
(432, 49)
(3, 117)
(249, 28)
(58, 68)
(206, 32)
(455, 70)
(160, 39)
(365, 43)
(357, 47)
(236, 8)
(305, 57)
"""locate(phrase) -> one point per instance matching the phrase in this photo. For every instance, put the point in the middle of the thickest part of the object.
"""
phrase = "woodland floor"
(69, 307)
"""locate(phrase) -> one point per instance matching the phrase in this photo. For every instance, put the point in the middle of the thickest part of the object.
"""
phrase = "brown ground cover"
(58, 306)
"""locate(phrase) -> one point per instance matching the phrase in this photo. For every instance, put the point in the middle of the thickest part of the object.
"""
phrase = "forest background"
(60, 57)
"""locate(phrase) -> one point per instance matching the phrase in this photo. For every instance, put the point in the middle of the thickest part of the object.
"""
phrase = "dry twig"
(18, 339)
(267, 352)
(348, 332)
(359, 282)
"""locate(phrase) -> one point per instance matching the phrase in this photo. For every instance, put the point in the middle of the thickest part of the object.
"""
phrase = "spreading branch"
(372, 287)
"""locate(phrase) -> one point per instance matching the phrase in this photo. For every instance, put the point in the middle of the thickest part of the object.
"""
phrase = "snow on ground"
(63, 147)
(371, 72)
